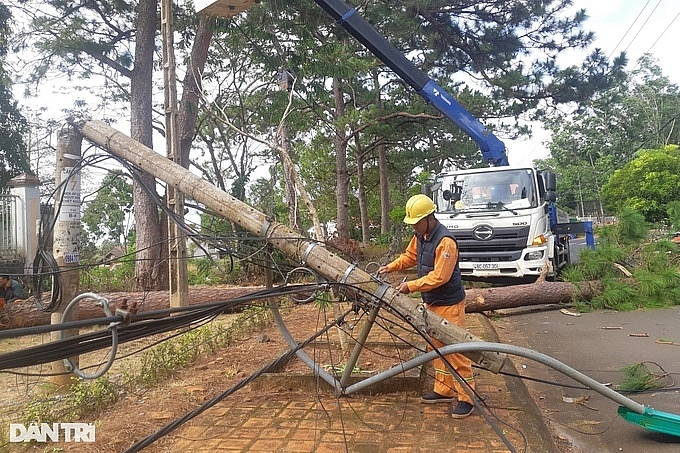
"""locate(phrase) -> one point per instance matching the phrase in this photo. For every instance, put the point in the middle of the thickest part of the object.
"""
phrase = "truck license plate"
(485, 265)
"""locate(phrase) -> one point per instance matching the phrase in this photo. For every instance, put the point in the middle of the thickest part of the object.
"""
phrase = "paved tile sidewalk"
(259, 421)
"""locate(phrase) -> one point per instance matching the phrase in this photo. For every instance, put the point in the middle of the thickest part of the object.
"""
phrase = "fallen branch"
(541, 292)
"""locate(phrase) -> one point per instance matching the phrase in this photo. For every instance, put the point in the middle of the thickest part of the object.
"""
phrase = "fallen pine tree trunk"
(25, 314)
(478, 300)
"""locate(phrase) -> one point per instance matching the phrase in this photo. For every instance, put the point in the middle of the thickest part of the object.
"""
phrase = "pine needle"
(638, 378)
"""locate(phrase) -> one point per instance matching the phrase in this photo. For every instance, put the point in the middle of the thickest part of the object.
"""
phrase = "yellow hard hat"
(418, 207)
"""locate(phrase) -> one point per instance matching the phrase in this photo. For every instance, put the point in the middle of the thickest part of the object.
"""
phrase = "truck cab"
(500, 217)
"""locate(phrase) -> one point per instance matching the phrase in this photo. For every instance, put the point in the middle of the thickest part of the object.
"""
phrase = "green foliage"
(639, 378)
(208, 271)
(383, 239)
(648, 183)
(164, 359)
(597, 264)
(631, 226)
(13, 126)
(603, 135)
(106, 215)
(673, 211)
(653, 265)
(82, 398)
(617, 295)
(108, 278)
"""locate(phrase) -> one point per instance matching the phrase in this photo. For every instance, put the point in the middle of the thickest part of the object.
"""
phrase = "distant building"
(111, 258)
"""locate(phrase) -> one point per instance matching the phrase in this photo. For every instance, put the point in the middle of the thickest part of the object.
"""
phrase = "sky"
(634, 26)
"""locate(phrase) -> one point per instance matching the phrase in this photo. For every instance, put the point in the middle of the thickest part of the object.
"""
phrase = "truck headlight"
(535, 255)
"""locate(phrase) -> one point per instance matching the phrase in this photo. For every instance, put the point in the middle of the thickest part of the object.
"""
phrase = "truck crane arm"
(493, 150)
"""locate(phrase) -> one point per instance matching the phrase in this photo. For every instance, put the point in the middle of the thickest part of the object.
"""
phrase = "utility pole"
(307, 251)
(66, 238)
(177, 253)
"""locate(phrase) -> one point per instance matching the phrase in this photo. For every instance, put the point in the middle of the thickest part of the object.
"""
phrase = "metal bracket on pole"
(348, 271)
(265, 228)
(305, 254)
(381, 290)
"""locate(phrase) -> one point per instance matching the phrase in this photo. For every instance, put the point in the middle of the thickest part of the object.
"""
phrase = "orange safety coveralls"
(446, 257)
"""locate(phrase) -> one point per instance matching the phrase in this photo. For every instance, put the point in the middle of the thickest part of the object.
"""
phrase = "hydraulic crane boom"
(493, 150)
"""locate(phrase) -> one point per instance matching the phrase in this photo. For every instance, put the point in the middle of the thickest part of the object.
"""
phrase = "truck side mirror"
(550, 181)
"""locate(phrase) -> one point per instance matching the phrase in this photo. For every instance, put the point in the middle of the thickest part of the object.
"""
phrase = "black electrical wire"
(137, 351)
(148, 323)
(138, 446)
(145, 324)
(44, 263)
(372, 300)
(93, 341)
(44, 267)
(35, 330)
(479, 403)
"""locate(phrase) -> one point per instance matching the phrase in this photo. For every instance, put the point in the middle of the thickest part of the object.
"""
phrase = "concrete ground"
(528, 406)
(293, 416)
(599, 344)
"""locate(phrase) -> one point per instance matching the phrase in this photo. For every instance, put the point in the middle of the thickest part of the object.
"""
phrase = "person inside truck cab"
(500, 193)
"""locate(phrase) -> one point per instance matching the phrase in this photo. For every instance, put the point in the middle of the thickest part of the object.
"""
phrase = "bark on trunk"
(384, 190)
(542, 292)
(342, 175)
(192, 87)
(150, 272)
(361, 196)
(23, 313)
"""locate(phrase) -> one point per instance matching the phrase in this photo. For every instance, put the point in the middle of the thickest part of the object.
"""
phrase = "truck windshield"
(492, 191)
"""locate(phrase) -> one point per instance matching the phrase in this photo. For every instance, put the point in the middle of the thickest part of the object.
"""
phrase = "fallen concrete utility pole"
(305, 250)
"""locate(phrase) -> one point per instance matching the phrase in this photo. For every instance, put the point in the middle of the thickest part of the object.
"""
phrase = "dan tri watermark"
(56, 432)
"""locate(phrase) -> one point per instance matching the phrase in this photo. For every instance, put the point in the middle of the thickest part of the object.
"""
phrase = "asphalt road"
(599, 344)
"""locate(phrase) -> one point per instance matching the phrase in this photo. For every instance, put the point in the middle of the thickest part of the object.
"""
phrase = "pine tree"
(13, 154)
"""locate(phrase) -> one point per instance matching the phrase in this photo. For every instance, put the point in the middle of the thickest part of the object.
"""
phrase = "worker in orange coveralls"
(434, 252)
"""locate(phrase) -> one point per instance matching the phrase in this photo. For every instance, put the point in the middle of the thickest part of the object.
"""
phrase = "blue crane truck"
(504, 218)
